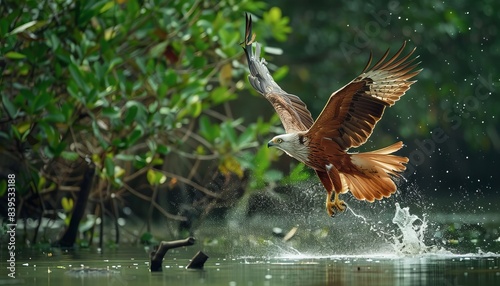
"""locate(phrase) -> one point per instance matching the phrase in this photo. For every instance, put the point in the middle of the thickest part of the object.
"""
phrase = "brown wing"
(292, 111)
(353, 111)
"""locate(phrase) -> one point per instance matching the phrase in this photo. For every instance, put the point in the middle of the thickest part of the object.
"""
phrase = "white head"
(294, 144)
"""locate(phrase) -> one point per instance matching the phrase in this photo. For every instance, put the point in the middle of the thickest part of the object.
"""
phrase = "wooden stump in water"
(159, 252)
(198, 261)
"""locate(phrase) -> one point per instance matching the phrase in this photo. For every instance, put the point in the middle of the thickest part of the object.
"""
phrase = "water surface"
(131, 267)
(388, 247)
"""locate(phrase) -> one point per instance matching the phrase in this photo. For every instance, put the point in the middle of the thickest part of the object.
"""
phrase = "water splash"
(413, 229)
(411, 240)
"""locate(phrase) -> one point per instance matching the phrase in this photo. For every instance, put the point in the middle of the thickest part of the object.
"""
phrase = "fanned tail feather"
(374, 180)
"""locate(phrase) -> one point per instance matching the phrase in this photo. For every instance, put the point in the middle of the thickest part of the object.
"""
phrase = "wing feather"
(292, 111)
(352, 112)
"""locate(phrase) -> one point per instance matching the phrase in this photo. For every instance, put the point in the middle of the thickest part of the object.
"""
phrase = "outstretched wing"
(352, 112)
(292, 111)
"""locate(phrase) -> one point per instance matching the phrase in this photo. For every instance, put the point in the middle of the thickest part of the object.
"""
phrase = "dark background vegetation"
(152, 98)
(456, 93)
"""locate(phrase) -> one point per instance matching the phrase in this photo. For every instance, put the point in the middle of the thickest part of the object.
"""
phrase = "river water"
(387, 245)
(382, 269)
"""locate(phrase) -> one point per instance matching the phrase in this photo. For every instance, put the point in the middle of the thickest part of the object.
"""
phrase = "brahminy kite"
(347, 121)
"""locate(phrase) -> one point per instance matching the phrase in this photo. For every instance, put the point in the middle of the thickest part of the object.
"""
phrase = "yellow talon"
(336, 206)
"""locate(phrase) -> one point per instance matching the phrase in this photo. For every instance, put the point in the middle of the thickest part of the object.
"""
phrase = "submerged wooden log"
(198, 261)
(159, 252)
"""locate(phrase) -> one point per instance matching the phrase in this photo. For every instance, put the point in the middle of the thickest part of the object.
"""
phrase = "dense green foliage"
(140, 89)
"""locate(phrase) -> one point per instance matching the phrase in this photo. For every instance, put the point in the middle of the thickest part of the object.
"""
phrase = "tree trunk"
(69, 237)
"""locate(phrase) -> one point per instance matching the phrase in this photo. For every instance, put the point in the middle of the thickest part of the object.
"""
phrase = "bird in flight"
(347, 121)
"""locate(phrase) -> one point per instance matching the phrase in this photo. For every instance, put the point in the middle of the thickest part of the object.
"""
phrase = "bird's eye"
(279, 140)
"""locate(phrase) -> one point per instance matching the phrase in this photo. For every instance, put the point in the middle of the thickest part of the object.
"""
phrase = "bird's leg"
(333, 184)
(329, 205)
(336, 206)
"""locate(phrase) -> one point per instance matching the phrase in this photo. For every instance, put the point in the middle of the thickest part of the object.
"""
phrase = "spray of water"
(377, 229)
(411, 239)
(409, 236)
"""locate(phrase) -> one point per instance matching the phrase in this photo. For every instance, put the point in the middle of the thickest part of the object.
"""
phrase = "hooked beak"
(270, 144)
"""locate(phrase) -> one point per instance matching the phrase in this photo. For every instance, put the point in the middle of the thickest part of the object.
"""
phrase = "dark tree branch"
(159, 252)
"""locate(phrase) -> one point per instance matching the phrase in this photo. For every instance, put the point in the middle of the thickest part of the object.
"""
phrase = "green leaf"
(246, 138)
(228, 38)
(298, 174)
(67, 109)
(125, 157)
(15, 55)
(278, 23)
(221, 53)
(208, 130)
(9, 107)
(107, 6)
(114, 62)
(130, 114)
(97, 133)
(274, 14)
(152, 108)
(135, 135)
(25, 26)
(171, 77)
(77, 76)
(135, 111)
(158, 49)
(69, 155)
(261, 160)
(112, 112)
(221, 94)
(110, 167)
(56, 148)
(49, 132)
(199, 62)
(155, 178)
(23, 127)
(229, 133)
(196, 108)
(280, 73)
(42, 100)
(54, 42)
(16, 133)
(41, 183)
(55, 117)
(67, 204)
(163, 149)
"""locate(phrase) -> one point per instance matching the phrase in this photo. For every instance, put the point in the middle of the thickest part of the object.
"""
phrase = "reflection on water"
(348, 250)
(292, 270)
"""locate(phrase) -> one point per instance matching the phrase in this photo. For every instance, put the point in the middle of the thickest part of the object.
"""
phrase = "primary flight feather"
(347, 121)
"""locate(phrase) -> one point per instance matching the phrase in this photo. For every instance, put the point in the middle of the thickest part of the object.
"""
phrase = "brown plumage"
(347, 121)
